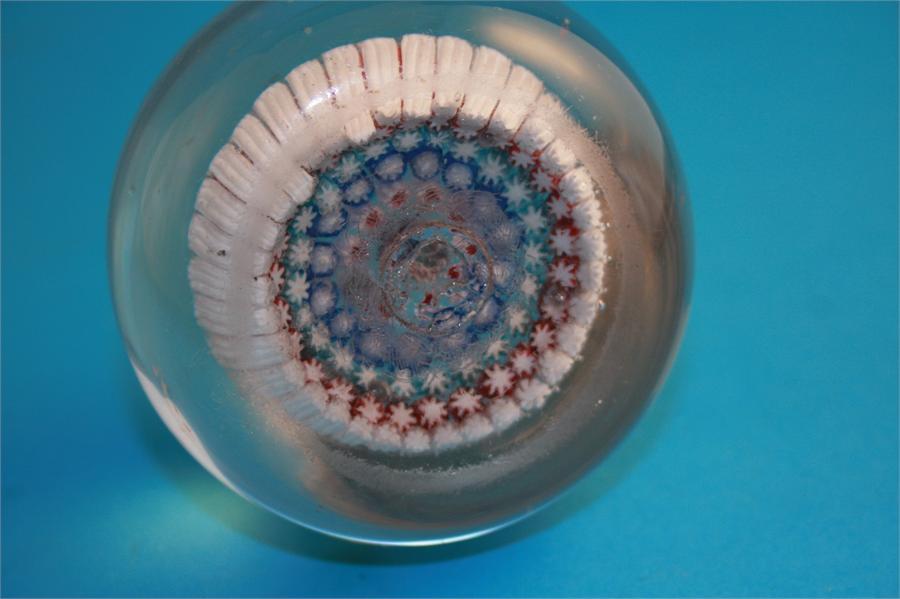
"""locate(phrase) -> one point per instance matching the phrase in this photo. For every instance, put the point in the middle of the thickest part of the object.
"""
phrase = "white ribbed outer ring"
(259, 178)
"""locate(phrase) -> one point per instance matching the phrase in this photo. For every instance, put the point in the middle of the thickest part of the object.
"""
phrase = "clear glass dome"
(400, 274)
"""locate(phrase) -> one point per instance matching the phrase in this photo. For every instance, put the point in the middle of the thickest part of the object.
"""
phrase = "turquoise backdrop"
(767, 466)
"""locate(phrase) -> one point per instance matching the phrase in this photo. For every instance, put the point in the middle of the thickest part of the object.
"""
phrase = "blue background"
(767, 466)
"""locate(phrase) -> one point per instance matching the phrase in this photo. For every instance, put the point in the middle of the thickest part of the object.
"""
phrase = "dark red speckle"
(398, 199)
(373, 218)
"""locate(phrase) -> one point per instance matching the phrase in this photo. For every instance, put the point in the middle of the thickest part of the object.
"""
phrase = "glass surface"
(365, 491)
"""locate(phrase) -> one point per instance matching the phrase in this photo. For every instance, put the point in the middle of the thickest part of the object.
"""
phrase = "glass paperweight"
(398, 273)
